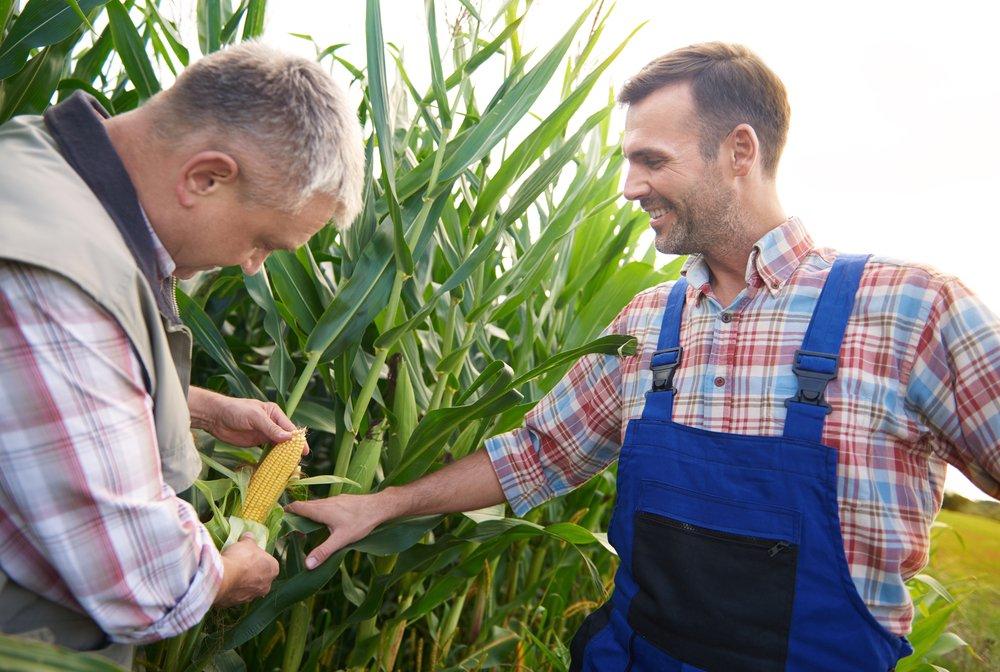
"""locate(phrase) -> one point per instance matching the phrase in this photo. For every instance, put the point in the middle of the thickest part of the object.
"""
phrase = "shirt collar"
(772, 261)
(164, 262)
(76, 126)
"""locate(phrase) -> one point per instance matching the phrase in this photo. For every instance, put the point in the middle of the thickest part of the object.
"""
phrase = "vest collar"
(76, 126)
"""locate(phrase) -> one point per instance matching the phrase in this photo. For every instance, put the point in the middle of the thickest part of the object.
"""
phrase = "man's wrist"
(396, 502)
(202, 406)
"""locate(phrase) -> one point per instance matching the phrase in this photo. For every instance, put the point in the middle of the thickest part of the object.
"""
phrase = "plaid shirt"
(85, 517)
(918, 387)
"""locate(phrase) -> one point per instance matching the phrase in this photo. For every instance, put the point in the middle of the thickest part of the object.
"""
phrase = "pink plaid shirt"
(918, 387)
(85, 517)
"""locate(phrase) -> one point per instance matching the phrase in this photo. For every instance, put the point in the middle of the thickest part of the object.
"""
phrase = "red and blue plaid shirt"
(85, 517)
(918, 388)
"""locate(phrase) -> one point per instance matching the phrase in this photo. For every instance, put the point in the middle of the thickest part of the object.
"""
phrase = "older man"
(783, 431)
(99, 217)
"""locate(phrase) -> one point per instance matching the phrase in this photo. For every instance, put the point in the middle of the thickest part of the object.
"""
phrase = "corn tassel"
(271, 476)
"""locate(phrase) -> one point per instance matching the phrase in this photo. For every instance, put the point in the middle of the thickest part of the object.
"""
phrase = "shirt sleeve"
(81, 491)
(955, 384)
(573, 433)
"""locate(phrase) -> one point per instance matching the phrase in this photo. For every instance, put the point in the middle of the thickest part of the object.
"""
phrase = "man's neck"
(132, 136)
(728, 266)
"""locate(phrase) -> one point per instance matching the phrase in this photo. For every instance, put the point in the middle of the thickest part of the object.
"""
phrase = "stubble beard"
(708, 221)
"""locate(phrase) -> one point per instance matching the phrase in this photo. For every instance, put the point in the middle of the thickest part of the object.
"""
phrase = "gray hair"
(284, 108)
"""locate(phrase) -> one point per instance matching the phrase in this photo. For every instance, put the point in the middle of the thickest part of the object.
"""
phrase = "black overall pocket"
(712, 598)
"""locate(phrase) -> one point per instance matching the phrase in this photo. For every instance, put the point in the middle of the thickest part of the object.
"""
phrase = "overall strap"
(666, 358)
(815, 363)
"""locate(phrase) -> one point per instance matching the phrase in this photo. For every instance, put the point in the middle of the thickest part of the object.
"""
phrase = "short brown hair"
(731, 86)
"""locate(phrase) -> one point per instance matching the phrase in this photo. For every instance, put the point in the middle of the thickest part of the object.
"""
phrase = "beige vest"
(51, 219)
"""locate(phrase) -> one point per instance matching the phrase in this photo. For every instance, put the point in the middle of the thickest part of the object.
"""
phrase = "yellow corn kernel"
(269, 479)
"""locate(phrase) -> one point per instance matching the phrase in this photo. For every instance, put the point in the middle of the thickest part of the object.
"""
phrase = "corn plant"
(480, 270)
(491, 252)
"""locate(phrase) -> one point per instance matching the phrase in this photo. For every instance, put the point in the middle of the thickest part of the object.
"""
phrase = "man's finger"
(270, 429)
(279, 417)
(301, 508)
(319, 554)
(281, 420)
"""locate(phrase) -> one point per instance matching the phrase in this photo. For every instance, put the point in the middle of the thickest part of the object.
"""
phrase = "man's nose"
(253, 264)
(636, 186)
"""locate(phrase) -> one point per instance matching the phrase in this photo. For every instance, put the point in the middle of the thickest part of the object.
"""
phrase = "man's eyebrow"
(645, 153)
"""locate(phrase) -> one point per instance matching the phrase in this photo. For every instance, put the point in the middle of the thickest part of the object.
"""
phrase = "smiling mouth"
(656, 214)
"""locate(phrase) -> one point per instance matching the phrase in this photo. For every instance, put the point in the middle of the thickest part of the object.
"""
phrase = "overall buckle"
(812, 383)
(663, 365)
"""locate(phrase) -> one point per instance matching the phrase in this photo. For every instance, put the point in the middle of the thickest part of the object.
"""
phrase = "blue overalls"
(730, 546)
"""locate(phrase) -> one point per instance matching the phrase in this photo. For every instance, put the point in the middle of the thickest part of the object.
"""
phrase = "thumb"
(266, 426)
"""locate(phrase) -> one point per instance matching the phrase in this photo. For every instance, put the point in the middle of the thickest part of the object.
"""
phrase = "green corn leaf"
(294, 287)
(209, 338)
(29, 91)
(613, 295)
(495, 125)
(364, 462)
(41, 23)
(483, 251)
(549, 170)
(377, 91)
(228, 32)
(428, 438)
(19, 654)
(327, 479)
(254, 24)
(6, 12)
(315, 416)
(130, 48)
(70, 84)
(540, 139)
(169, 33)
(280, 363)
(82, 16)
(209, 25)
(366, 292)
(379, 100)
(437, 75)
(613, 344)
(89, 64)
(386, 540)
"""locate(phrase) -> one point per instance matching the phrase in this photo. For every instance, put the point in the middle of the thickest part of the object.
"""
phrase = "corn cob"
(269, 479)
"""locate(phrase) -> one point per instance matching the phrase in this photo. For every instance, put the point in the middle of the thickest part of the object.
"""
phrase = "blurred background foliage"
(492, 251)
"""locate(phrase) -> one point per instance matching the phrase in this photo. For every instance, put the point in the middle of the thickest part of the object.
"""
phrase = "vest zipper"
(173, 296)
(773, 546)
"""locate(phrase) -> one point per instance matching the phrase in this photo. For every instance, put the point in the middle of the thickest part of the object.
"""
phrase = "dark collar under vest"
(76, 126)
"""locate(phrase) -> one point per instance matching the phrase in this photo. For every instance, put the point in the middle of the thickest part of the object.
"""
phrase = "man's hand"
(240, 422)
(247, 574)
(465, 485)
(349, 518)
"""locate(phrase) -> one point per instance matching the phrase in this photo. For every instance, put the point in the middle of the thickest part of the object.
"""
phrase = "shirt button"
(720, 381)
(727, 317)
(774, 284)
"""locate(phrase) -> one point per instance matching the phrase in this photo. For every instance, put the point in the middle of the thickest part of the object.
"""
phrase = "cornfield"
(491, 252)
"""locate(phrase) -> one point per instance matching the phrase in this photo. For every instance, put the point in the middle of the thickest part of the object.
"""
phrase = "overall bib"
(731, 554)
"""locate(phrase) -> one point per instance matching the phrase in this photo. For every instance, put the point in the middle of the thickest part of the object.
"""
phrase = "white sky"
(894, 143)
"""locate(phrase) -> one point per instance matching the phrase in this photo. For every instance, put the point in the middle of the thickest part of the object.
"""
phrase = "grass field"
(966, 558)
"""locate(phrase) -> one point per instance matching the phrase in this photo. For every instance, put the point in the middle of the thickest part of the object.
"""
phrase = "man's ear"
(742, 150)
(204, 174)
